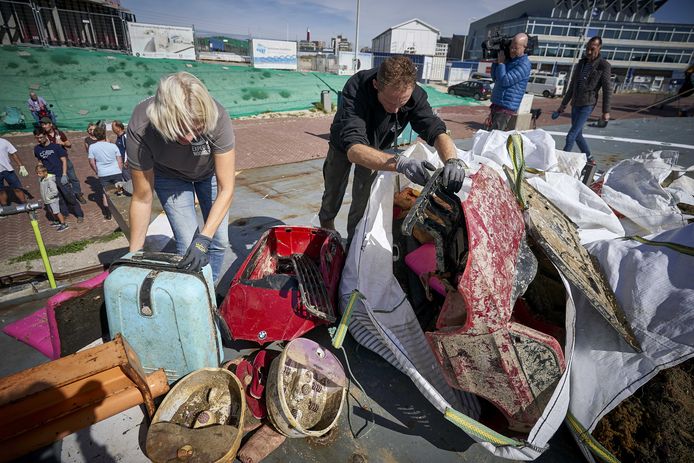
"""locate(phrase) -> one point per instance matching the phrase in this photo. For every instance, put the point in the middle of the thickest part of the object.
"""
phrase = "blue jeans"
(579, 117)
(9, 177)
(74, 181)
(178, 199)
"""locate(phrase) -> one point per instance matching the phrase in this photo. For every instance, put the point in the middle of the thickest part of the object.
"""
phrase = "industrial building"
(73, 23)
(413, 37)
(640, 50)
(417, 39)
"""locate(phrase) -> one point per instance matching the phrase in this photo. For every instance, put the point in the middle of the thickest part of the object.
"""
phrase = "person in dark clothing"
(591, 74)
(376, 107)
(121, 137)
(54, 159)
(59, 138)
(90, 139)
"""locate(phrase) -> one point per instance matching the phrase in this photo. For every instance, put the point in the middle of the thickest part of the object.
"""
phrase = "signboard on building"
(159, 41)
(273, 54)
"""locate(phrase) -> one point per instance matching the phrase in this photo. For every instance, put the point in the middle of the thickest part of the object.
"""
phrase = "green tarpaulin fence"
(86, 86)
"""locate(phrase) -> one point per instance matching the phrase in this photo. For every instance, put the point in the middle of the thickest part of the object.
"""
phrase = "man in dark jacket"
(591, 74)
(376, 106)
(510, 80)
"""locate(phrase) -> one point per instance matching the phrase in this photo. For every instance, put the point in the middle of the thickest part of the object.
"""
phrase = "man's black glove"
(413, 169)
(196, 256)
(453, 175)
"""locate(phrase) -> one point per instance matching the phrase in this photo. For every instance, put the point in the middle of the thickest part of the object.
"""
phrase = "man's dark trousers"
(500, 120)
(336, 170)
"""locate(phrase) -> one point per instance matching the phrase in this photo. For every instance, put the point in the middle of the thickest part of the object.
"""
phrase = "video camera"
(494, 44)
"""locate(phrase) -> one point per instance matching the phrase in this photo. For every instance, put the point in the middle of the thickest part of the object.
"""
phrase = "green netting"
(79, 84)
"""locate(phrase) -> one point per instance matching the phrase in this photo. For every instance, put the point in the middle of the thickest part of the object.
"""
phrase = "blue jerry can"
(167, 315)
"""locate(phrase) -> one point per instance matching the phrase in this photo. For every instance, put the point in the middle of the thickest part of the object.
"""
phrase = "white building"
(414, 37)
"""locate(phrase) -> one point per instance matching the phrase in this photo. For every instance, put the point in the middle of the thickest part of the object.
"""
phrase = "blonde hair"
(182, 106)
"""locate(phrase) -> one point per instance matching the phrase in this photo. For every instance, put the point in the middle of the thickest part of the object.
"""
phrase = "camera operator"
(510, 76)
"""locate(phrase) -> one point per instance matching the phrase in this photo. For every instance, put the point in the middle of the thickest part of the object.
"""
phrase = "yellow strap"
(681, 248)
(341, 331)
(471, 426)
(598, 450)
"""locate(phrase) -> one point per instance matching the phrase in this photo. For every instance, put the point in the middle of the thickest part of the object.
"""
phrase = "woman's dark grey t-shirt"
(147, 149)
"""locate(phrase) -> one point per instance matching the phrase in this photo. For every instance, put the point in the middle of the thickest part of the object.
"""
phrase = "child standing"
(51, 197)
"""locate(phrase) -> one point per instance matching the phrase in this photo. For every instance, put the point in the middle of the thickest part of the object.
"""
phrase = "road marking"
(629, 140)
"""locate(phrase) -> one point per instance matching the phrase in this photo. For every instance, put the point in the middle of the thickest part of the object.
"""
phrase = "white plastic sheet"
(538, 148)
(654, 286)
(633, 188)
(586, 209)
(385, 321)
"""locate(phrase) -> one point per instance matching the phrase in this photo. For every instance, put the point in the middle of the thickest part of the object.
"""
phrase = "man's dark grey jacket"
(587, 94)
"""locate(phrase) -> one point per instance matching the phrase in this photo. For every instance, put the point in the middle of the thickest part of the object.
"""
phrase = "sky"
(288, 20)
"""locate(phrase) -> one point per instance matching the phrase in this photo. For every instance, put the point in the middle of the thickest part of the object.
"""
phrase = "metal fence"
(75, 24)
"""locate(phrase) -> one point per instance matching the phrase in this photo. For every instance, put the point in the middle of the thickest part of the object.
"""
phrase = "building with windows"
(340, 43)
(72, 23)
(456, 45)
(639, 49)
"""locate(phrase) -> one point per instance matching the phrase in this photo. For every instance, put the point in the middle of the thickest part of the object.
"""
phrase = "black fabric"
(361, 118)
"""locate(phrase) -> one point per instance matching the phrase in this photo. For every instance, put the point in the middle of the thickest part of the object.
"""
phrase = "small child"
(51, 197)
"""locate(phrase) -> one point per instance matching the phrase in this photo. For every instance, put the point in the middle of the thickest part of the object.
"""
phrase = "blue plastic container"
(167, 315)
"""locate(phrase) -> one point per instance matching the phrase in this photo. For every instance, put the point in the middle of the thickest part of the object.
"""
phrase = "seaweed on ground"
(655, 424)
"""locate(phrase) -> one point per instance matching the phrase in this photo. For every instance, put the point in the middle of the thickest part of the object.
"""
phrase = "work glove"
(23, 171)
(414, 169)
(64, 180)
(453, 175)
(196, 256)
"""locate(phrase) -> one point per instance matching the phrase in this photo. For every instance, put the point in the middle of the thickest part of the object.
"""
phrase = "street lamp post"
(356, 43)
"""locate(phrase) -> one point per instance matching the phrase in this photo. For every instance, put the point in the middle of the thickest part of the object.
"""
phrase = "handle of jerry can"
(162, 257)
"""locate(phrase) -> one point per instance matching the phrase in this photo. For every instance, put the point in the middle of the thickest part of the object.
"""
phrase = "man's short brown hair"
(397, 71)
(100, 132)
(118, 124)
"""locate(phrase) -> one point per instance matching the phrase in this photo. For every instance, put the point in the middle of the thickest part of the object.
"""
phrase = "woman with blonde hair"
(181, 144)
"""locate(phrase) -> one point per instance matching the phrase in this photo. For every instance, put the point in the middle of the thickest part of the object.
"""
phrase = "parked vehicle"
(481, 76)
(477, 89)
(547, 86)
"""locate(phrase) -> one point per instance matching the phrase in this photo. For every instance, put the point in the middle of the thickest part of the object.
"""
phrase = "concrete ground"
(286, 191)
(405, 427)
